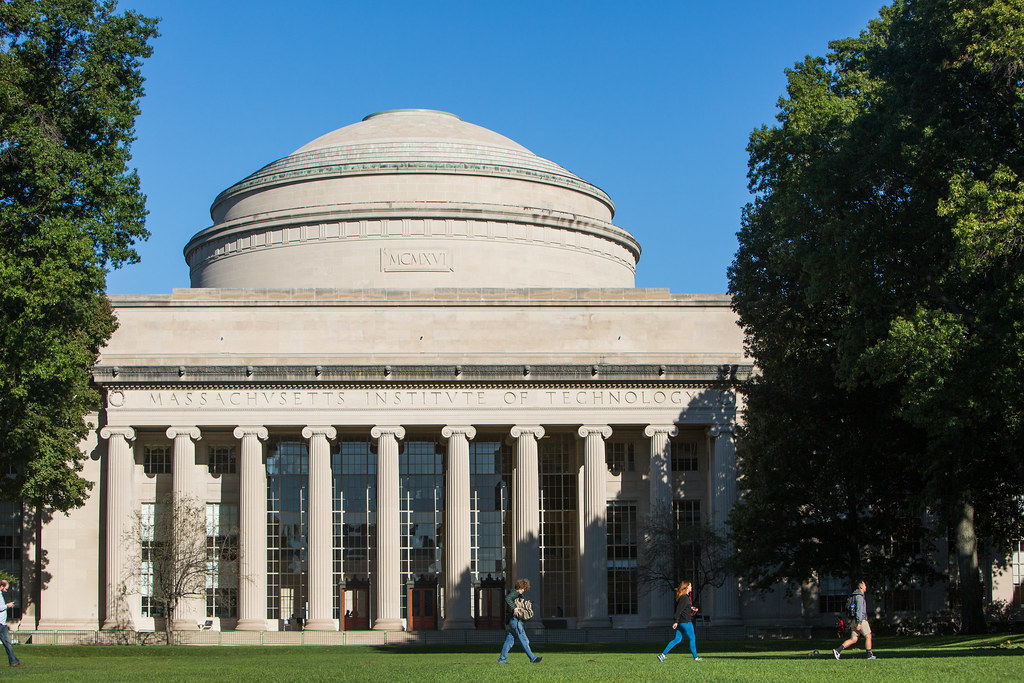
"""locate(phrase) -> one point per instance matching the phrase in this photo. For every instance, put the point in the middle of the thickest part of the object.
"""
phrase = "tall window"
(619, 456)
(686, 514)
(287, 509)
(222, 460)
(622, 558)
(684, 456)
(354, 469)
(147, 585)
(10, 553)
(421, 485)
(488, 490)
(559, 555)
(156, 459)
(221, 560)
(1017, 571)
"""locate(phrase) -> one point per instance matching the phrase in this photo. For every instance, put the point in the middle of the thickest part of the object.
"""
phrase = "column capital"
(586, 430)
(261, 433)
(670, 430)
(448, 431)
(717, 430)
(127, 432)
(191, 432)
(309, 431)
(536, 431)
(394, 430)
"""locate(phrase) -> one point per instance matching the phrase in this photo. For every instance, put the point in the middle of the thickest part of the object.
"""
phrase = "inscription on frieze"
(399, 399)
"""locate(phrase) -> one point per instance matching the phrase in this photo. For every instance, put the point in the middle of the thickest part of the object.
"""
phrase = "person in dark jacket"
(514, 625)
(683, 621)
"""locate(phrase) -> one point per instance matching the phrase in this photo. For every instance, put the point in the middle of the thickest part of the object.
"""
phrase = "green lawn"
(935, 660)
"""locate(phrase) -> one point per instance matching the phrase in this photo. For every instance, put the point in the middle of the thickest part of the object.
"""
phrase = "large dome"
(411, 199)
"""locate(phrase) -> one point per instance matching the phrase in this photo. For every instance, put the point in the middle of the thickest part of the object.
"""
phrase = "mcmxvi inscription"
(416, 260)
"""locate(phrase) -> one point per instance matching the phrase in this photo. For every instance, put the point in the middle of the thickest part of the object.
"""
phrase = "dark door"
(490, 607)
(355, 609)
(422, 609)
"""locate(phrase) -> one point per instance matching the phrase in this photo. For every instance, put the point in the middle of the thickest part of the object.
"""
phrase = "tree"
(880, 284)
(70, 208)
(673, 552)
(180, 554)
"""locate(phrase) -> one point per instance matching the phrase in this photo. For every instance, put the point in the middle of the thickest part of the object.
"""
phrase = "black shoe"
(537, 661)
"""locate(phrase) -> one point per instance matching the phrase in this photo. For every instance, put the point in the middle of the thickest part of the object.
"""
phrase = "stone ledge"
(463, 376)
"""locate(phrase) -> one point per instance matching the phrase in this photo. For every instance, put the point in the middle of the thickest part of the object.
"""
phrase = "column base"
(320, 625)
(62, 625)
(251, 625)
(388, 625)
(726, 621)
(186, 624)
(660, 622)
(594, 622)
(114, 625)
(451, 624)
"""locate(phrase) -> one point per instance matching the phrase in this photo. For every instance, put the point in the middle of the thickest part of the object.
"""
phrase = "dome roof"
(411, 124)
(396, 199)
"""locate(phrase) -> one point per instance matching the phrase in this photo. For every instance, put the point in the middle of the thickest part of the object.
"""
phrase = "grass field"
(936, 660)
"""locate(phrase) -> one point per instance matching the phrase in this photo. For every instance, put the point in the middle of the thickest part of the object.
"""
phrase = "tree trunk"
(972, 615)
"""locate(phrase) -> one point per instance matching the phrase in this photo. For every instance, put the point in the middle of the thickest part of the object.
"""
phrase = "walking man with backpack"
(860, 627)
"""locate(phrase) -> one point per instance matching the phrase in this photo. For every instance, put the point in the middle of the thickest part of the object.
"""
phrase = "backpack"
(525, 608)
(851, 608)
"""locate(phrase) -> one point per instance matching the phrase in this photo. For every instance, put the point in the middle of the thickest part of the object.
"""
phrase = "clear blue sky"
(651, 101)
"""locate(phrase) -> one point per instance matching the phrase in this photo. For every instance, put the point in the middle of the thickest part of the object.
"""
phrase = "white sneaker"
(836, 653)
(697, 659)
(661, 658)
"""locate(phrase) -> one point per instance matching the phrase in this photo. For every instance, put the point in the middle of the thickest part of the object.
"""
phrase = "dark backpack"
(851, 608)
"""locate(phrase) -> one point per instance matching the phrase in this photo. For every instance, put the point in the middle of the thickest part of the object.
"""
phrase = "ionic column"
(389, 585)
(526, 508)
(660, 511)
(458, 583)
(319, 543)
(723, 486)
(594, 550)
(252, 530)
(120, 508)
(192, 606)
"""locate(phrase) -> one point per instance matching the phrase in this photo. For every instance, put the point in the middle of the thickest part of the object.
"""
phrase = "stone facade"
(412, 368)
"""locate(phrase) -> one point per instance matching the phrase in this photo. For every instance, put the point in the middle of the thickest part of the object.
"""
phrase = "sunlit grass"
(990, 658)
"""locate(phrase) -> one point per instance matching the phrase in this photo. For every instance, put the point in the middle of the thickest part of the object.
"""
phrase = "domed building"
(412, 367)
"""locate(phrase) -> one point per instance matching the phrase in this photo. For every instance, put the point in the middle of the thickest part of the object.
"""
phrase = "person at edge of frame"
(5, 632)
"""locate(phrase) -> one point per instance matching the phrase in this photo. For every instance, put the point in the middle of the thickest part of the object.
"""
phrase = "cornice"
(241, 377)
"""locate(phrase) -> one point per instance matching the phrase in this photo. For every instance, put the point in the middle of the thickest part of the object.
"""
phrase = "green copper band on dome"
(411, 111)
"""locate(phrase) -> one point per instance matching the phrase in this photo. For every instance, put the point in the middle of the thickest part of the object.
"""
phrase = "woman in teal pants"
(683, 621)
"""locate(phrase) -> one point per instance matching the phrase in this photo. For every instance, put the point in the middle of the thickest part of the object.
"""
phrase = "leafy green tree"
(880, 283)
(70, 208)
